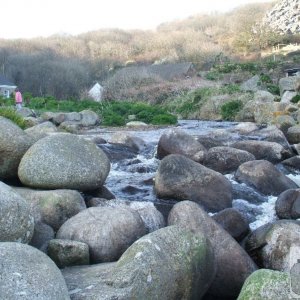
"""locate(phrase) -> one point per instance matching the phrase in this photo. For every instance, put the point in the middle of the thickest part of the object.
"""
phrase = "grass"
(11, 114)
(187, 104)
(230, 109)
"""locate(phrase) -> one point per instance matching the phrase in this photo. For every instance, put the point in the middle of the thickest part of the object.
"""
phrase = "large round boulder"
(29, 274)
(266, 285)
(14, 143)
(16, 220)
(53, 207)
(287, 205)
(226, 159)
(233, 222)
(172, 260)
(275, 245)
(180, 178)
(170, 263)
(233, 264)
(177, 141)
(270, 151)
(107, 231)
(64, 162)
(151, 216)
(263, 175)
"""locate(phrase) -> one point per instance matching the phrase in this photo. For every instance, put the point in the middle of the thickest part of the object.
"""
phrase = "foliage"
(273, 89)
(6, 102)
(11, 114)
(230, 109)
(118, 112)
(113, 113)
(295, 99)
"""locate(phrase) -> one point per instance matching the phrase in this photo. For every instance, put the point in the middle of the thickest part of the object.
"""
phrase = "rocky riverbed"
(193, 210)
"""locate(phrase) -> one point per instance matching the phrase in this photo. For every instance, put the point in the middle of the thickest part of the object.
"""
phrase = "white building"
(96, 92)
(6, 87)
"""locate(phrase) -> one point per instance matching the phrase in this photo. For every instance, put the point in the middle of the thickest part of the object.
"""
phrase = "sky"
(34, 18)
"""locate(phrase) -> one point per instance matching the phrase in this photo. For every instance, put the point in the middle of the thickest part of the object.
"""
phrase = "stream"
(131, 178)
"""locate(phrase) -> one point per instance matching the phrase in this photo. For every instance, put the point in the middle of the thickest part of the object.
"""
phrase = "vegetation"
(117, 113)
(113, 113)
(67, 66)
(230, 109)
(295, 99)
(11, 114)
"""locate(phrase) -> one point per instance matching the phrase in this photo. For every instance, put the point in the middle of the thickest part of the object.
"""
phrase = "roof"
(164, 71)
(5, 81)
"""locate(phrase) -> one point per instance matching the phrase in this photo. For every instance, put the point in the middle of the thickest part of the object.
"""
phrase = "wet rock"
(275, 245)
(267, 285)
(27, 273)
(14, 143)
(67, 253)
(292, 163)
(118, 152)
(241, 191)
(288, 205)
(226, 159)
(64, 162)
(270, 151)
(128, 140)
(178, 177)
(219, 137)
(233, 263)
(170, 263)
(107, 231)
(177, 141)
(233, 222)
(264, 177)
(16, 220)
(102, 192)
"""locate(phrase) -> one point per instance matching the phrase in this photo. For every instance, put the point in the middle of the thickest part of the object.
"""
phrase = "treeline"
(67, 66)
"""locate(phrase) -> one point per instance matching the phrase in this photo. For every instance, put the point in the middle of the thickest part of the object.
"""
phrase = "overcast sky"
(32, 18)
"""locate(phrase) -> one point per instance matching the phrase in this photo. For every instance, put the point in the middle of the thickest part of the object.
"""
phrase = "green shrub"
(295, 99)
(264, 78)
(113, 120)
(230, 109)
(116, 113)
(273, 89)
(11, 114)
(213, 75)
(164, 119)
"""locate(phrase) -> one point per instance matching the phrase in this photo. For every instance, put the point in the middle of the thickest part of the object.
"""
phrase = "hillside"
(67, 66)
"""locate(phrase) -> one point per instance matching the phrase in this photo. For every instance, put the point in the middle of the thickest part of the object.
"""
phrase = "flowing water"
(132, 178)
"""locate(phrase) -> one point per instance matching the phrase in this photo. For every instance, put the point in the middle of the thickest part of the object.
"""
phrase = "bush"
(164, 119)
(273, 89)
(295, 99)
(11, 114)
(230, 109)
(116, 113)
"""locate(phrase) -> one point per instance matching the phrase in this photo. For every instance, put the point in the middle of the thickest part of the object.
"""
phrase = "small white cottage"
(96, 92)
(6, 87)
